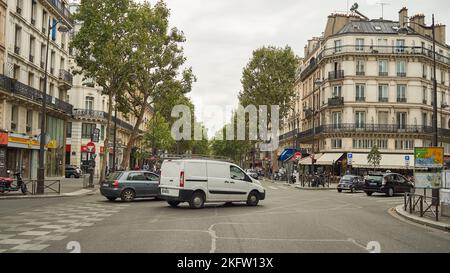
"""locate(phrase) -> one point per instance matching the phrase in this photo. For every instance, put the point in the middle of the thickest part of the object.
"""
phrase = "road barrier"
(424, 204)
(53, 186)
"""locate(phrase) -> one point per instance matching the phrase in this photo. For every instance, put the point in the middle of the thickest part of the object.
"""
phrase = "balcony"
(336, 75)
(17, 50)
(336, 101)
(401, 74)
(288, 135)
(88, 113)
(360, 73)
(31, 58)
(308, 113)
(59, 7)
(360, 99)
(66, 78)
(383, 74)
(372, 128)
(22, 90)
(381, 99)
(401, 99)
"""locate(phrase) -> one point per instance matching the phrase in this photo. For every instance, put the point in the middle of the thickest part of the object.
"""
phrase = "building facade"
(369, 83)
(22, 82)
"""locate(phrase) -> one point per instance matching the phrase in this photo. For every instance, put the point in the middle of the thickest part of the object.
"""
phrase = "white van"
(198, 181)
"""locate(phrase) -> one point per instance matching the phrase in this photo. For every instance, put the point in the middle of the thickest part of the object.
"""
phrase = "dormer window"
(377, 28)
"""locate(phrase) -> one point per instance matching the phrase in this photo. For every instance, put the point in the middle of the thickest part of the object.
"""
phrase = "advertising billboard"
(429, 157)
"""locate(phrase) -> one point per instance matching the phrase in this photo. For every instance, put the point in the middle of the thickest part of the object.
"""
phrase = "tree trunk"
(134, 133)
(106, 142)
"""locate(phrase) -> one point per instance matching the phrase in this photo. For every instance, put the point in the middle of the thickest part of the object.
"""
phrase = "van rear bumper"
(183, 196)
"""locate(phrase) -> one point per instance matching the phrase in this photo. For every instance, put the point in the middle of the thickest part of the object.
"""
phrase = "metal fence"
(50, 186)
(423, 204)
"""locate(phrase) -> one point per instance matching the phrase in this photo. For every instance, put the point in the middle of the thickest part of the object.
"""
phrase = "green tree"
(157, 59)
(102, 50)
(158, 135)
(374, 157)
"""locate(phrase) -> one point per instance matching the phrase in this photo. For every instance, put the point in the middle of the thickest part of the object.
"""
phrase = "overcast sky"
(221, 35)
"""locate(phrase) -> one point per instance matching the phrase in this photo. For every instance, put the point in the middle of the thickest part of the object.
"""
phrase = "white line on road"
(273, 188)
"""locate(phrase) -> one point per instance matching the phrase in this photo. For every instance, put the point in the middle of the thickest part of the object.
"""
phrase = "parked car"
(128, 185)
(253, 173)
(387, 183)
(72, 171)
(200, 181)
(350, 182)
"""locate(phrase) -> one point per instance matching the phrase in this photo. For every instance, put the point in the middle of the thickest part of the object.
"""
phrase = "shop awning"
(388, 161)
(328, 158)
(308, 161)
(286, 154)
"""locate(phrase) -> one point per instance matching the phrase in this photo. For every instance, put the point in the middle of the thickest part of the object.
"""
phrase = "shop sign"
(3, 138)
(52, 144)
(429, 157)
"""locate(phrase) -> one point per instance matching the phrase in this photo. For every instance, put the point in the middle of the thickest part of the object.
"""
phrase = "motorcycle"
(7, 183)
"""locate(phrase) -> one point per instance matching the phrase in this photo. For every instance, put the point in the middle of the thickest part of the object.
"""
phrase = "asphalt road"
(289, 220)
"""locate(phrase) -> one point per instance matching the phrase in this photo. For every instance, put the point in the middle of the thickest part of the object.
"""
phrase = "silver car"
(128, 185)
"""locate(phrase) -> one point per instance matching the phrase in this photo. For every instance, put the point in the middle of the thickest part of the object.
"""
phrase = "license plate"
(169, 192)
(105, 185)
(373, 184)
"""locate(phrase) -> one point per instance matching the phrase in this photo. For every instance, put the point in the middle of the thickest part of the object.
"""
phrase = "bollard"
(91, 177)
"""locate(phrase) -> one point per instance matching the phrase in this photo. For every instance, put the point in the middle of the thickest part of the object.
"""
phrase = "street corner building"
(369, 82)
(24, 26)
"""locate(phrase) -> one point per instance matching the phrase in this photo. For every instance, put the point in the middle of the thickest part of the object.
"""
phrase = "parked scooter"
(7, 183)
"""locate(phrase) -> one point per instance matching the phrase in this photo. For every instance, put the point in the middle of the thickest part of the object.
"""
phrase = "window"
(14, 117)
(360, 67)
(359, 44)
(61, 95)
(43, 53)
(360, 120)
(102, 132)
(337, 46)
(32, 48)
(424, 95)
(400, 46)
(336, 119)
(89, 103)
(236, 173)
(30, 79)
(39, 121)
(336, 143)
(424, 71)
(29, 121)
(383, 95)
(52, 62)
(369, 143)
(360, 92)
(52, 90)
(17, 39)
(401, 68)
(19, 6)
(401, 120)
(404, 144)
(41, 84)
(424, 119)
(87, 129)
(69, 129)
(337, 91)
(401, 93)
(383, 67)
(136, 177)
(44, 22)
(33, 12)
(16, 72)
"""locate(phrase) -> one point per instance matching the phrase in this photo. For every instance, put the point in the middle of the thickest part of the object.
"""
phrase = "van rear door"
(170, 173)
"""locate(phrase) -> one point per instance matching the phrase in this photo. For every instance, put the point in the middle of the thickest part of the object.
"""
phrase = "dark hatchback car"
(387, 183)
(128, 185)
(351, 183)
(72, 172)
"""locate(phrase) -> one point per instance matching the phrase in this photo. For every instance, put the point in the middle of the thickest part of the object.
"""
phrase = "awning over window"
(328, 158)
(308, 161)
(388, 161)
(286, 154)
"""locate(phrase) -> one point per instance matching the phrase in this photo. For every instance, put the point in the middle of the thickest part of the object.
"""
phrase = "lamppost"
(41, 168)
(403, 30)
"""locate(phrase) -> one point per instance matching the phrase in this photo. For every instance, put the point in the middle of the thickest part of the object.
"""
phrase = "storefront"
(22, 154)
(55, 155)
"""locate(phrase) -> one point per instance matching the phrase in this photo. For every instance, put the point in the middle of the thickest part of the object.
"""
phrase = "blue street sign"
(349, 155)
(407, 157)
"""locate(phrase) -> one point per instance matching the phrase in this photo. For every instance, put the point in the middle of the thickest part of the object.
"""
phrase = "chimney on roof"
(403, 17)
(440, 33)
(418, 24)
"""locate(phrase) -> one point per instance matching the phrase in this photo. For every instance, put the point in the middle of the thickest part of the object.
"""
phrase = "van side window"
(236, 173)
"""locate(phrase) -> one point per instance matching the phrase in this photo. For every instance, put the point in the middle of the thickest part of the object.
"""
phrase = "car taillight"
(182, 179)
(116, 183)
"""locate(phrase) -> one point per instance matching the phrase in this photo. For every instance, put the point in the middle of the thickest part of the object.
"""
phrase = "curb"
(420, 220)
(315, 189)
(90, 192)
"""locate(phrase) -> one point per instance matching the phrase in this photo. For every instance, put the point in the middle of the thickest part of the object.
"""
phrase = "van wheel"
(127, 195)
(339, 190)
(173, 204)
(390, 192)
(197, 200)
(253, 199)
(352, 189)
(369, 193)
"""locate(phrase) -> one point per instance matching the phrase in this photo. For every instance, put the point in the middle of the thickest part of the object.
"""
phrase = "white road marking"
(273, 188)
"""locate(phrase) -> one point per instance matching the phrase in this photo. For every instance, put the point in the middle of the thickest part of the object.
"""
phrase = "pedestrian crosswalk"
(35, 230)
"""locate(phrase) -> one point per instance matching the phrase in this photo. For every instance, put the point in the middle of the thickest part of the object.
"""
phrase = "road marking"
(273, 188)
(35, 233)
(30, 247)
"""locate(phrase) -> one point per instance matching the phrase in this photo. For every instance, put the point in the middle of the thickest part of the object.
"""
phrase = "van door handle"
(227, 181)
(171, 180)
(231, 182)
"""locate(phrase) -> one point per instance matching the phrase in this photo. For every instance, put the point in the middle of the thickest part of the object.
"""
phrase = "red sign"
(68, 148)
(91, 147)
(297, 156)
(3, 138)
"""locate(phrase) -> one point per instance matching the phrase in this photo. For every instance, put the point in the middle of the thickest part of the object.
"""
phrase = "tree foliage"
(374, 157)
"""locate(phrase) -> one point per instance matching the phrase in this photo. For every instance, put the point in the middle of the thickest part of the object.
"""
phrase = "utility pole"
(435, 127)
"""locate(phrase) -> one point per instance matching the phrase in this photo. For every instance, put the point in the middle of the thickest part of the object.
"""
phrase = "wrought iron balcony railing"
(17, 88)
(335, 75)
(88, 113)
(66, 76)
(62, 9)
(336, 101)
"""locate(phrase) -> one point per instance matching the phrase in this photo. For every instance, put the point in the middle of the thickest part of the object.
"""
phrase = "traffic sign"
(349, 158)
(91, 147)
(95, 137)
(407, 157)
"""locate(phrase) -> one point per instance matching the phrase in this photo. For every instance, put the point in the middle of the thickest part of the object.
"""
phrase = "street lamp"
(403, 31)
(41, 168)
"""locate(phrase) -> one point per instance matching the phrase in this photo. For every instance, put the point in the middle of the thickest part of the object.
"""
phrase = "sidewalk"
(427, 220)
(70, 187)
